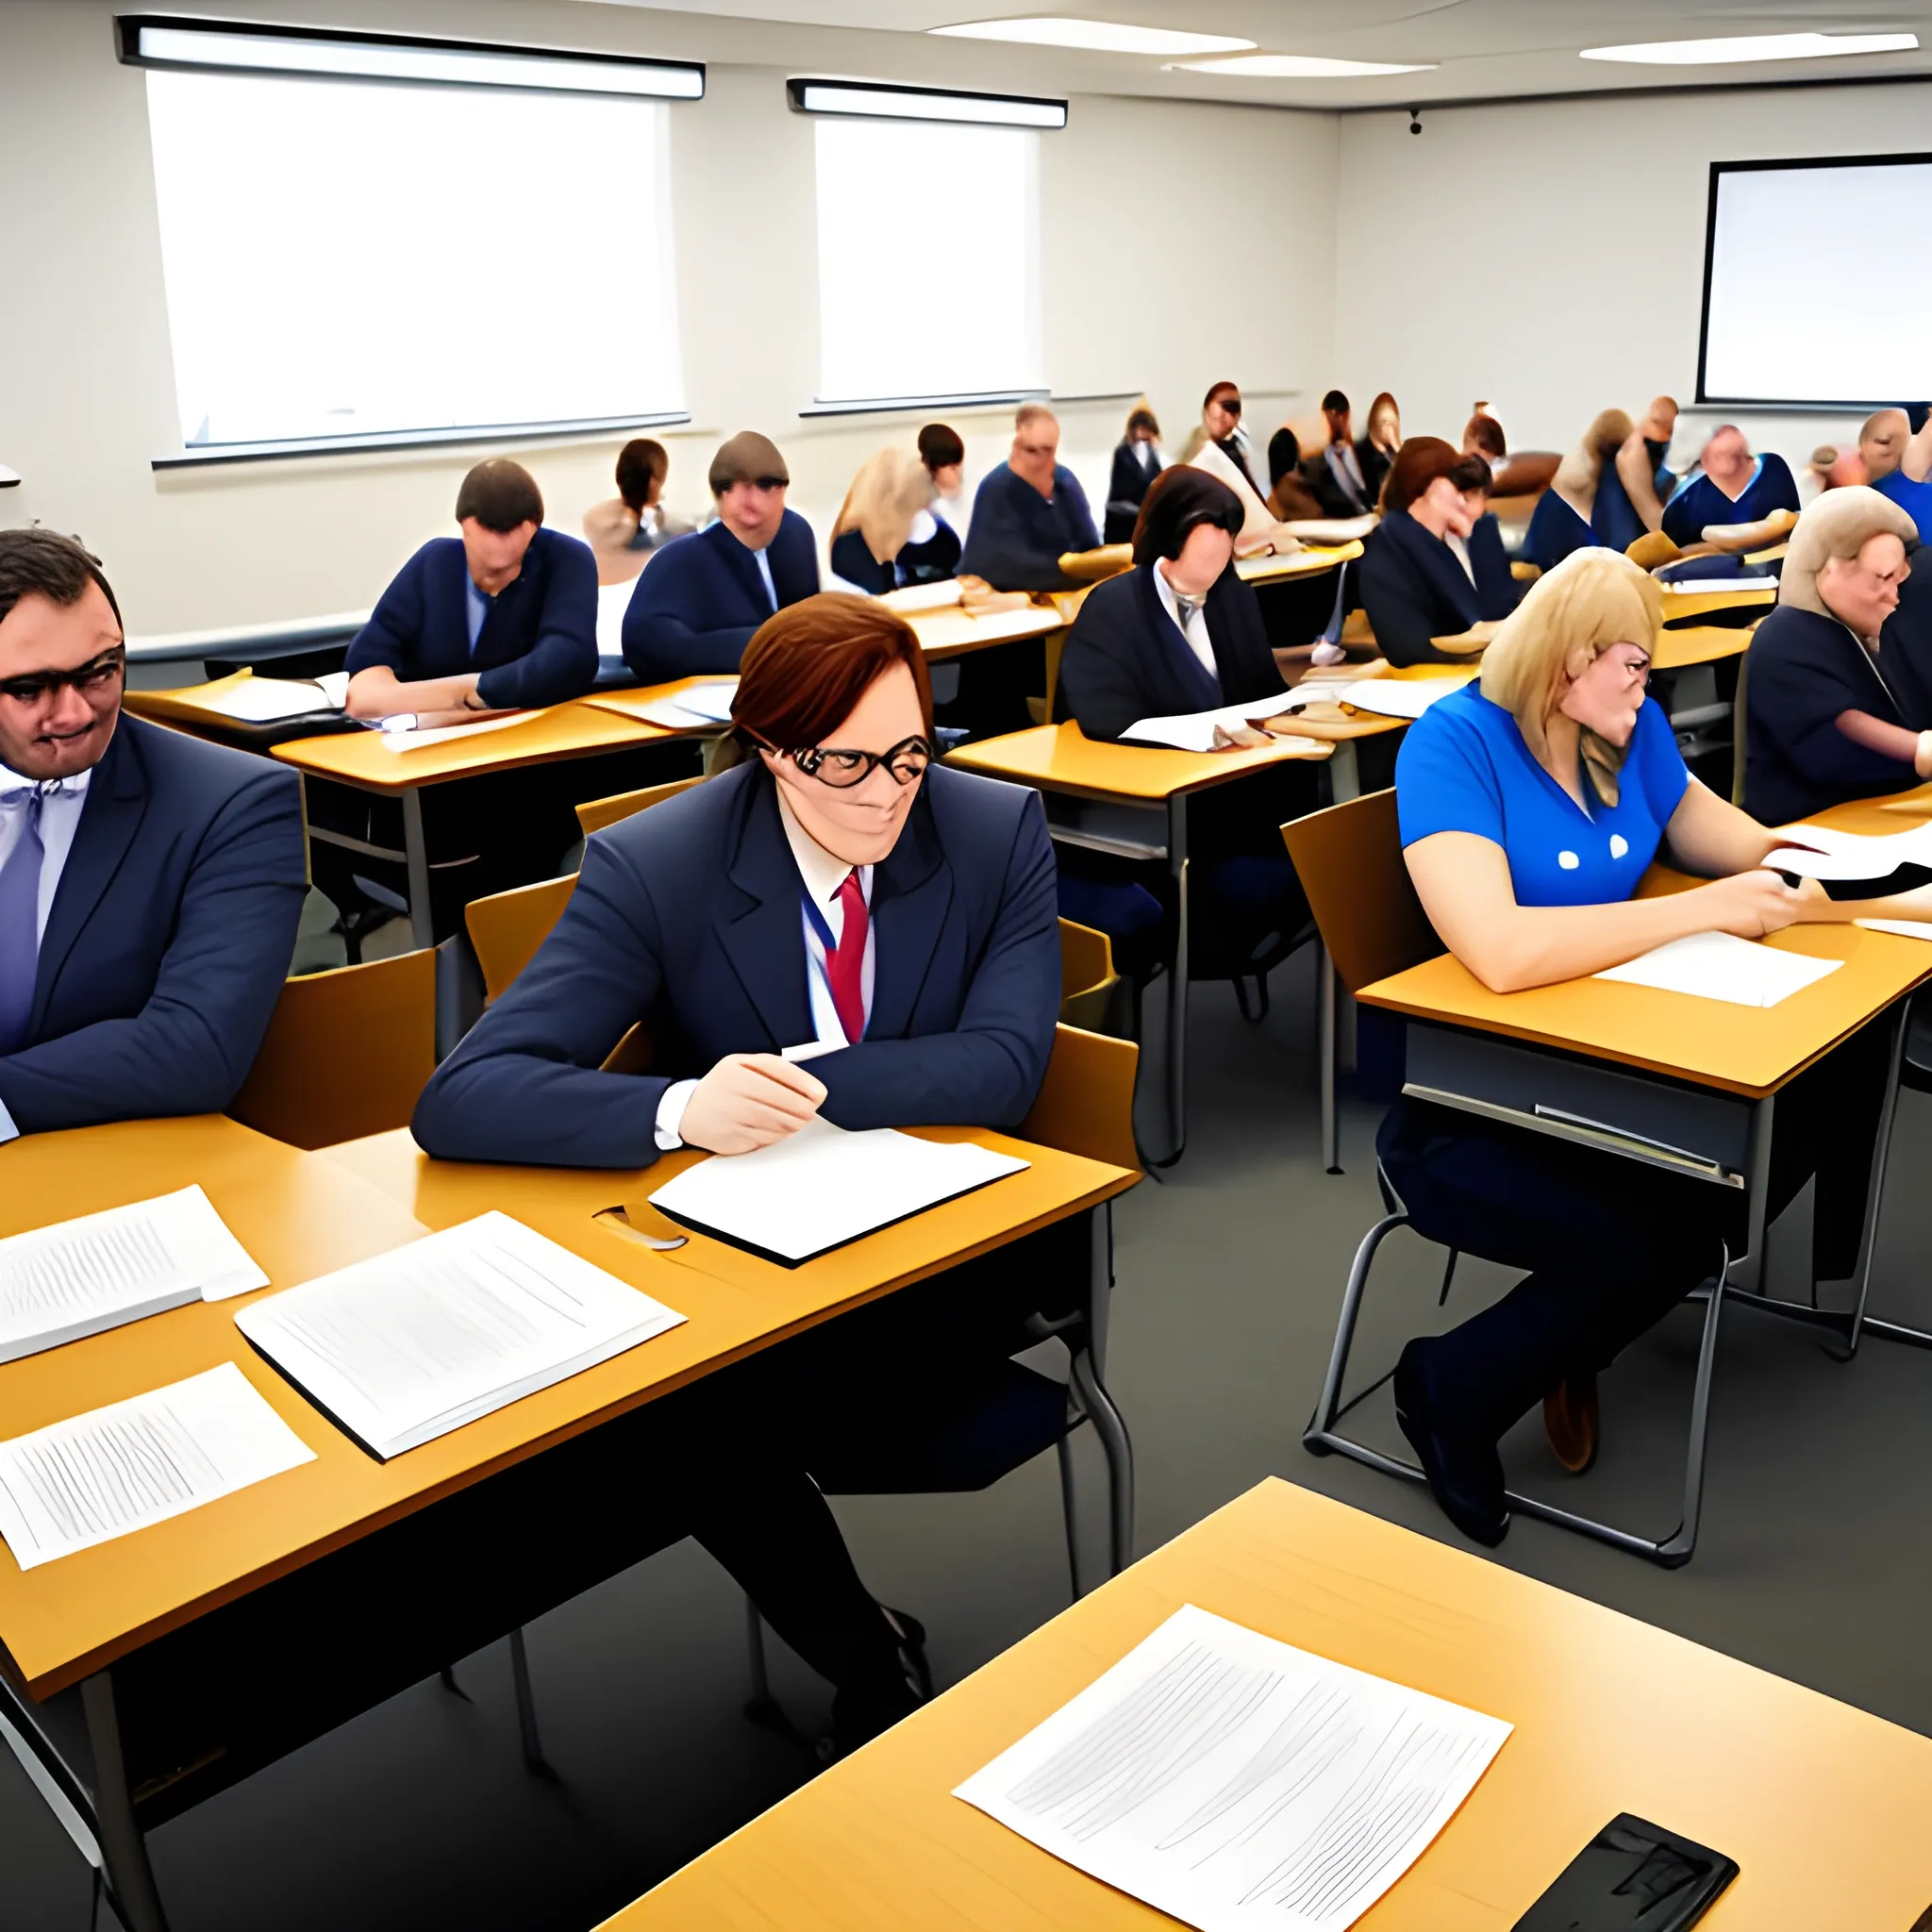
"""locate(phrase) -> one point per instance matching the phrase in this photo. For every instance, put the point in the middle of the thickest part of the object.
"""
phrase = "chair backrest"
(1087, 976)
(507, 928)
(346, 1053)
(1086, 1103)
(600, 812)
(1349, 860)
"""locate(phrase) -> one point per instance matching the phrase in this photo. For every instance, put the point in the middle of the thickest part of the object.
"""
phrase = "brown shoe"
(1571, 1422)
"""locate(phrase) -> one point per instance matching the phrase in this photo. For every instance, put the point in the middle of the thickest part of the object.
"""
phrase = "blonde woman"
(1377, 450)
(1531, 804)
(886, 534)
(1565, 515)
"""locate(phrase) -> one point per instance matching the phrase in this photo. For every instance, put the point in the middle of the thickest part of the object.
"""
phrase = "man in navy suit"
(696, 608)
(149, 883)
(502, 619)
(1029, 513)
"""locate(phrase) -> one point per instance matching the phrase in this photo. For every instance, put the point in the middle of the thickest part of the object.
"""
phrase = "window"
(350, 260)
(900, 317)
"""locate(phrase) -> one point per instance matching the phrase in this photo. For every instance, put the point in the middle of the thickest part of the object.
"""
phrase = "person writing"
(150, 883)
(1220, 428)
(1336, 474)
(1530, 806)
(1731, 487)
(1826, 720)
(1135, 463)
(501, 619)
(1029, 513)
(623, 532)
(886, 535)
(695, 608)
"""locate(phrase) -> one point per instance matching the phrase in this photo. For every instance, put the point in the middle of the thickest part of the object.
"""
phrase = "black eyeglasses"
(95, 675)
(1233, 408)
(905, 760)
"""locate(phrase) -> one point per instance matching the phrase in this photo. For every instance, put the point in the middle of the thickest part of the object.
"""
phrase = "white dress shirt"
(1195, 629)
(61, 809)
(765, 572)
(821, 876)
(1460, 546)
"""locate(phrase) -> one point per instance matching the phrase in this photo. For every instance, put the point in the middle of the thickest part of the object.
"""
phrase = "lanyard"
(819, 922)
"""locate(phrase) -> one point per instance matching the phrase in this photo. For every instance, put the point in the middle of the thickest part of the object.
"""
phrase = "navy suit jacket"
(169, 937)
(1016, 537)
(696, 608)
(1414, 588)
(539, 641)
(687, 917)
(1125, 658)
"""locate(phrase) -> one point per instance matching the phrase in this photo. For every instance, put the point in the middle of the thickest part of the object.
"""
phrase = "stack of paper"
(937, 596)
(1904, 928)
(1195, 730)
(413, 1343)
(696, 706)
(270, 700)
(1405, 697)
(442, 734)
(78, 1277)
(98, 1476)
(1817, 851)
(1721, 966)
(1331, 530)
(1238, 1783)
(823, 1186)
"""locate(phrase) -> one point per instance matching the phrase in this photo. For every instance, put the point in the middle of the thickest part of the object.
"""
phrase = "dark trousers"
(1610, 1245)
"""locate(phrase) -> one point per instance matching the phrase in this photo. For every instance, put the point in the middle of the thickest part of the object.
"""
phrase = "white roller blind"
(928, 260)
(346, 258)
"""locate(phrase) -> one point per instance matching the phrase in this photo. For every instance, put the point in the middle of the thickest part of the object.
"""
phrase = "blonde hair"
(1591, 600)
(1577, 473)
(892, 488)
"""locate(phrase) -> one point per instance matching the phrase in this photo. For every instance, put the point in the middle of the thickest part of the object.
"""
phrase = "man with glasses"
(1028, 512)
(697, 607)
(150, 884)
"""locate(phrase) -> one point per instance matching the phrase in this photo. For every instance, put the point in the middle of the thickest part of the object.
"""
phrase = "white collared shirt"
(821, 876)
(1460, 546)
(1195, 629)
(765, 572)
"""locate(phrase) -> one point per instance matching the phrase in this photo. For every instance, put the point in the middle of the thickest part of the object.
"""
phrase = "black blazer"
(917, 563)
(1413, 589)
(1125, 489)
(1331, 492)
(1125, 658)
(1377, 463)
(697, 607)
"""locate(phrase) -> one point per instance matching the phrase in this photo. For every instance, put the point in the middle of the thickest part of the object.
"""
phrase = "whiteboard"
(1818, 282)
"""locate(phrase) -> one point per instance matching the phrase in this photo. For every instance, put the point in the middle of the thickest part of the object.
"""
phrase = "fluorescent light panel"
(924, 104)
(1739, 47)
(247, 50)
(1299, 67)
(1094, 36)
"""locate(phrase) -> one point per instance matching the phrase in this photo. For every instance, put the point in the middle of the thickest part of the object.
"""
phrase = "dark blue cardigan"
(1700, 501)
(701, 597)
(1017, 538)
(1414, 590)
(539, 641)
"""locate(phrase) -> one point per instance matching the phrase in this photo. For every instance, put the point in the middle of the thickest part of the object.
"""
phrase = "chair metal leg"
(1064, 1449)
(130, 1879)
(534, 1760)
(1112, 1431)
(1318, 1436)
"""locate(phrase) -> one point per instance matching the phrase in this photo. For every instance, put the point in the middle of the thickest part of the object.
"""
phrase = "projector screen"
(1818, 282)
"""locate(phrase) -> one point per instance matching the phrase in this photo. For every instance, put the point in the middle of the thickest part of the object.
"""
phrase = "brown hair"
(501, 495)
(1420, 461)
(641, 463)
(1220, 389)
(808, 665)
(1486, 434)
(1142, 418)
(36, 562)
(941, 446)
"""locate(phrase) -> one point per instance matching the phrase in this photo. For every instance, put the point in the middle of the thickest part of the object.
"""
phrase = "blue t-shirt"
(1464, 767)
(1915, 499)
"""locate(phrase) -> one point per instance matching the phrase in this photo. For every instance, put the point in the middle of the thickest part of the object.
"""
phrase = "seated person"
(886, 535)
(1528, 472)
(1825, 720)
(1377, 450)
(150, 883)
(1220, 428)
(503, 619)
(1641, 478)
(1435, 566)
(1335, 474)
(695, 608)
(1029, 513)
(1135, 463)
(1565, 513)
(1181, 632)
(1482, 436)
(1731, 487)
(623, 532)
(943, 454)
(1530, 807)
(1898, 463)
(1291, 500)
(1260, 532)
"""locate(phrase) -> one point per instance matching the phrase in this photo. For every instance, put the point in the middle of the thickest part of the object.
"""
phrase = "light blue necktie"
(20, 926)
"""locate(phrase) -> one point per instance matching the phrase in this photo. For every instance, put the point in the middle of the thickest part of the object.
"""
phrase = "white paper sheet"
(1904, 928)
(334, 686)
(1391, 697)
(442, 734)
(405, 1346)
(99, 1476)
(937, 596)
(78, 1277)
(1237, 1782)
(1851, 855)
(1721, 966)
(701, 705)
(268, 700)
(823, 1186)
(613, 600)
(1335, 532)
(1195, 730)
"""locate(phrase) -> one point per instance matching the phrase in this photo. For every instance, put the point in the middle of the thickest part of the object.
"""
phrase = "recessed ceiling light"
(1301, 67)
(1753, 47)
(1094, 36)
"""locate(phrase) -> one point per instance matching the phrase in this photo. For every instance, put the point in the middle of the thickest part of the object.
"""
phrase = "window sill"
(590, 429)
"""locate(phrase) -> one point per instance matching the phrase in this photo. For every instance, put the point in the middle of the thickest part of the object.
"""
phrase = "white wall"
(86, 386)
(1568, 237)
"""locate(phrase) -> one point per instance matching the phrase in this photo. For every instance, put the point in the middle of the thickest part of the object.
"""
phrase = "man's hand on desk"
(749, 1100)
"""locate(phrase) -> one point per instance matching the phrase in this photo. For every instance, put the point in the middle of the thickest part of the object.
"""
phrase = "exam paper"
(269, 700)
(1904, 928)
(412, 1343)
(113, 1470)
(1721, 966)
(821, 1187)
(1850, 854)
(80, 1277)
(1237, 1782)
(702, 704)
(939, 596)
(1331, 530)
(442, 734)
(1390, 697)
(1195, 730)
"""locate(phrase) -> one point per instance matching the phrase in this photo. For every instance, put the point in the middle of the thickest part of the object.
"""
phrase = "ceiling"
(1487, 48)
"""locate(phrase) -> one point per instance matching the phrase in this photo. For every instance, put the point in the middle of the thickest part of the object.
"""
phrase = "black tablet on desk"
(1633, 1876)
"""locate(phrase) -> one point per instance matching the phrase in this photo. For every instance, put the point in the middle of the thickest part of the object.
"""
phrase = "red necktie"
(846, 962)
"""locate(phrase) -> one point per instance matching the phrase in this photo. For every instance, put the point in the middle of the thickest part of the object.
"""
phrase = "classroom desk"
(195, 708)
(955, 632)
(631, 700)
(1821, 1806)
(1711, 643)
(1130, 800)
(1686, 602)
(87, 1620)
(1307, 563)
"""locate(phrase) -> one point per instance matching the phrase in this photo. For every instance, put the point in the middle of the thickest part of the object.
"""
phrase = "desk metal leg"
(416, 857)
(1747, 1271)
(1177, 986)
(130, 1877)
(1328, 1049)
(1344, 772)
(1086, 1366)
(1874, 1197)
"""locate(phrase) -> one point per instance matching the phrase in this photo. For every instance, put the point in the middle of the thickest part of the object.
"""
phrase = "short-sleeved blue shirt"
(1915, 499)
(1464, 767)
